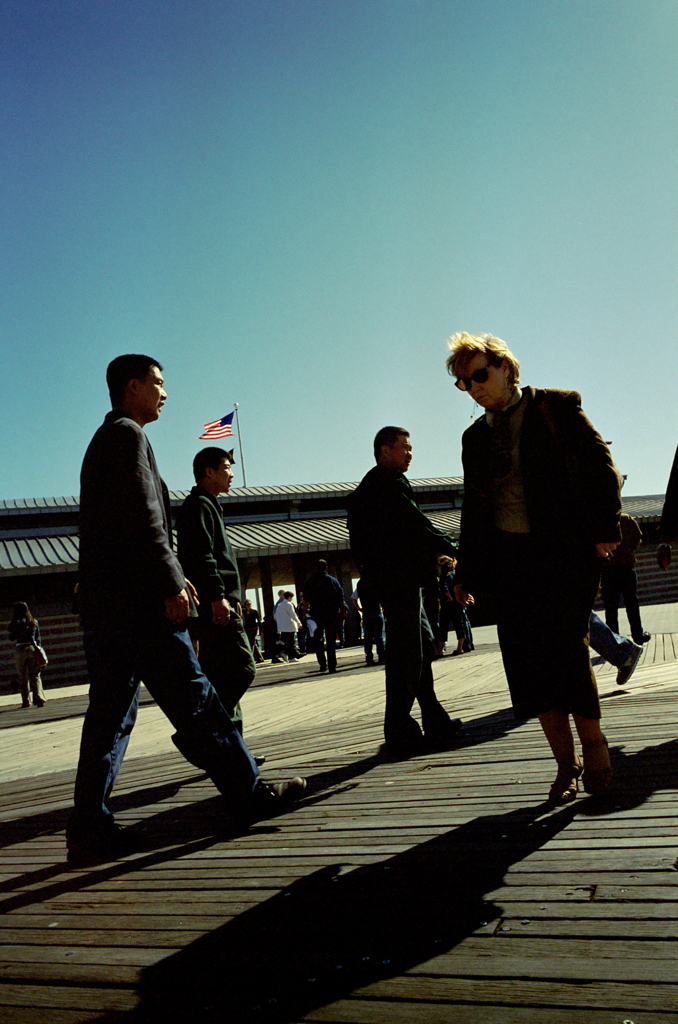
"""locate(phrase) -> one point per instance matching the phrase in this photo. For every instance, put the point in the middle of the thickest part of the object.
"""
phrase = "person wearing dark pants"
(324, 601)
(207, 558)
(288, 624)
(395, 545)
(164, 658)
(409, 653)
(619, 581)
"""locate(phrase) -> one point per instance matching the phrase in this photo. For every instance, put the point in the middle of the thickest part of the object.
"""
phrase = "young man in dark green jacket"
(208, 560)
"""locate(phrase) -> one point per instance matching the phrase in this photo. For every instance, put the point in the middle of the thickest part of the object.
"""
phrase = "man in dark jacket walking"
(325, 599)
(395, 546)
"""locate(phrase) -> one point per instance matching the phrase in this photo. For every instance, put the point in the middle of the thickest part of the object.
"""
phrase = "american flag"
(218, 428)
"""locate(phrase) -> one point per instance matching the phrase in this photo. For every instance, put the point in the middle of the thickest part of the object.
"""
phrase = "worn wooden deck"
(438, 889)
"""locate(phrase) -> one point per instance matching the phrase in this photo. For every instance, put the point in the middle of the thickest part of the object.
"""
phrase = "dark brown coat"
(570, 480)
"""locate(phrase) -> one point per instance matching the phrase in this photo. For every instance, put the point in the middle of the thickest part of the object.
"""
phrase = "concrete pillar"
(268, 630)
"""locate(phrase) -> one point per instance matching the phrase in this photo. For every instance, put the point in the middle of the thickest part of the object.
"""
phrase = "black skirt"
(544, 595)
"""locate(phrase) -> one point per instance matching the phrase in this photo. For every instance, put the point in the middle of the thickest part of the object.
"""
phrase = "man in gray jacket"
(134, 603)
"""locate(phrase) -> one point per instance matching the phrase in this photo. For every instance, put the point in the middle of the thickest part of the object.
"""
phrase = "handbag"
(40, 656)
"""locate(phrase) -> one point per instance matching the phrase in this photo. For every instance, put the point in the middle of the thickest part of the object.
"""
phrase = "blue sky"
(293, 203)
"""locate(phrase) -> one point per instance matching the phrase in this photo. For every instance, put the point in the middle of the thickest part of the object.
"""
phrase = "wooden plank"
(27, 1015)
(509, 992)
(473, 959)
(42, 997)
(111, 956)
(110, 937)
(348, 1011)
(68, 973)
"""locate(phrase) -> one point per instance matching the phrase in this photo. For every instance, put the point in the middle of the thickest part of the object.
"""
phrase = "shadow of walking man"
(344, 927)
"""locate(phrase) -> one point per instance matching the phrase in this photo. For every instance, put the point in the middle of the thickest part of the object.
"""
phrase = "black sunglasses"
(477, 377)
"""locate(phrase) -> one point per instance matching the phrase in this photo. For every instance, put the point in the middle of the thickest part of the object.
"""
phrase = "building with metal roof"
(277, 533)
(288, 527)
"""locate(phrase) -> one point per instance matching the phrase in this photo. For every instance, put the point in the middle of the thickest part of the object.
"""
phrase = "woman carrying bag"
(29, 656)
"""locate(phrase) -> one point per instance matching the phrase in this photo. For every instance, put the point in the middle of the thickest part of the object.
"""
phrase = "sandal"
(597, 780)
(565, 787)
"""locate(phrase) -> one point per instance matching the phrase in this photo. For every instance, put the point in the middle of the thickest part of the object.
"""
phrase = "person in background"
(324, 599)
(303, 634)
(619, 579)
(373, 623)
(252, 619)
(24, 632)
(288, 625)
(452, 614)
(341, 623)
(540, 514)
(272, 633)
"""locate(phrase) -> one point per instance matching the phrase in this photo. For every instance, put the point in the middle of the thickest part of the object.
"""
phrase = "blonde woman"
(540, 514)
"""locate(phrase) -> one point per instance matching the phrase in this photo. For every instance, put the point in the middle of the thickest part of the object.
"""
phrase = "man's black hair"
(122, 370)
(208, 457)
(388, 436)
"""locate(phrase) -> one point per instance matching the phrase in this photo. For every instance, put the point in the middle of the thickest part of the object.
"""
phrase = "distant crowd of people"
(541, 523)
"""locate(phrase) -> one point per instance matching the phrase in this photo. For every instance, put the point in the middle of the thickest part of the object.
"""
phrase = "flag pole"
(242, 459)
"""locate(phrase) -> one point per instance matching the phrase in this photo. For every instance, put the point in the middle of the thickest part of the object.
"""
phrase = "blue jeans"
(163, 657)
(409, 652)
(373, 630)
(608, 644)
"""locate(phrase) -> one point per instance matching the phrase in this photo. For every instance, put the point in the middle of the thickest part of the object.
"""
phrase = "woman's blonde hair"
(463, 347)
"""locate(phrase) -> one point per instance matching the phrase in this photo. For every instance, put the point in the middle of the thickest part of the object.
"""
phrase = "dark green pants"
(226, 658)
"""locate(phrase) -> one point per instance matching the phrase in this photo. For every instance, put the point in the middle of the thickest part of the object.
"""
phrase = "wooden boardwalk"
(438, 889)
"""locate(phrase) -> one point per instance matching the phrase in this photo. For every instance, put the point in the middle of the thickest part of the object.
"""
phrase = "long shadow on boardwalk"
(184, 829)
(158, 838)
(336, 930)
(333, 932)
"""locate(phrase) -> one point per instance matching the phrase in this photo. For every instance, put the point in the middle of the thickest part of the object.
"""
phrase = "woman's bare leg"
(594, 747)
(558, 732)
